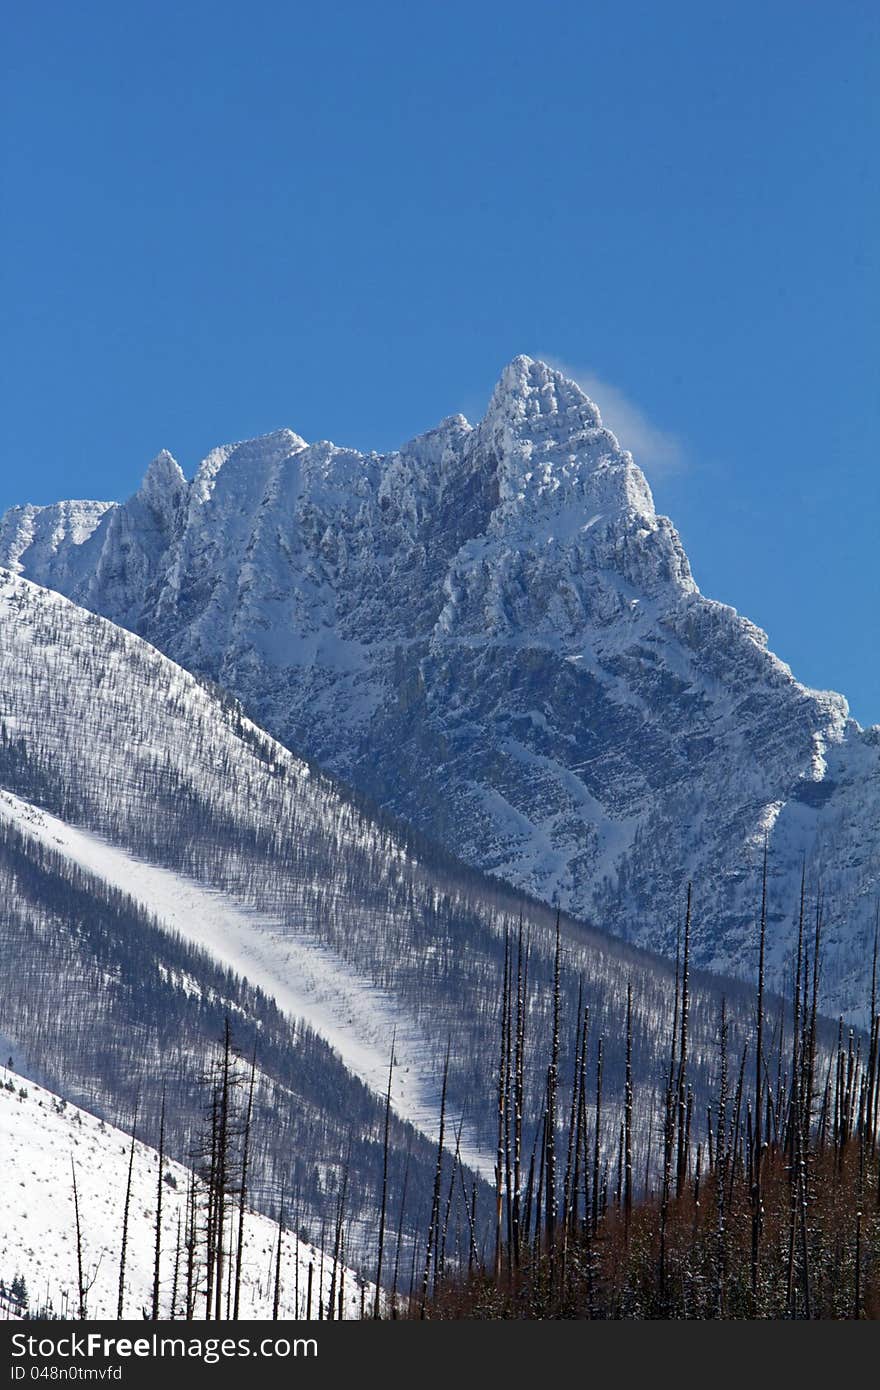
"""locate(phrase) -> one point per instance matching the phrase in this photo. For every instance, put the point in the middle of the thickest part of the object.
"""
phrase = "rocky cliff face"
(493, 634)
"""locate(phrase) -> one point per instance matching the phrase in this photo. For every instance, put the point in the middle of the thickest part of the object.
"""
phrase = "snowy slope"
(307, 981)
(108, 1006)
(494, 635)
(126, 736)
(40, 1133)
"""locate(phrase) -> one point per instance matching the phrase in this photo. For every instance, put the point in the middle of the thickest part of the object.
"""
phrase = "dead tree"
(384, 1204)
(757, 1152)
(433, 1228)
(125, 1212)
(243, 1187)
(80, 1282)
(157, 1248)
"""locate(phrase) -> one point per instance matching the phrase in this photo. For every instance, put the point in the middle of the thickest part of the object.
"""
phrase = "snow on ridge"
(38, 535)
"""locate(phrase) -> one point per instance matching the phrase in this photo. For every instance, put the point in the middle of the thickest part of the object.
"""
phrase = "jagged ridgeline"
(493, 634)
(152, 767)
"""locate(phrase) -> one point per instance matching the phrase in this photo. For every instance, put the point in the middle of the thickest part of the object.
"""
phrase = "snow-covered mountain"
(45, 1141)
(493, 634)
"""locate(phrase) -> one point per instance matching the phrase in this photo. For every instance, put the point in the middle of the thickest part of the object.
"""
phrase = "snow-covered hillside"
(141, 807)
(494, 635)
(309, 982)
(130, 746)
(41, 1135)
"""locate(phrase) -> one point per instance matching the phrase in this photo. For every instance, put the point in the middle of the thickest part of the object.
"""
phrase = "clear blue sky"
(222, 218)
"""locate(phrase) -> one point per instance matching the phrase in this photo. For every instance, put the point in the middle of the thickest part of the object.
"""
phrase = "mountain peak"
(163, 476)
(545, 438)
(265, 450)
(531, 392)
(284, 438)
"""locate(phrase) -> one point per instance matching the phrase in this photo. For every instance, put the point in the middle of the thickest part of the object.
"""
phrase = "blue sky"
(223, 218)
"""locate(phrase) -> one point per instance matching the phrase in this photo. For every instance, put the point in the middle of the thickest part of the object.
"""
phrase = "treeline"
(774, 1212)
